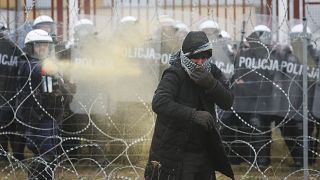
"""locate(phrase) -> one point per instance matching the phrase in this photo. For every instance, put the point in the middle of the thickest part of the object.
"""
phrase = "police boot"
(263, 159)
(260, 142)
(297, 155)
(313, 144)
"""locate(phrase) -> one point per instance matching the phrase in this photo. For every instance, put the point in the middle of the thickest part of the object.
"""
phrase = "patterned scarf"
(189, 66)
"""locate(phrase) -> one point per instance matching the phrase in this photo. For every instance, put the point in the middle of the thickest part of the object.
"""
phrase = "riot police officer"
(252, 70)
(46, 23)
(223, 56)
(292, 130)
(9, 53)
(41, 102)
(166, 40)
(211, 28)
(84, 30)
(182, 31)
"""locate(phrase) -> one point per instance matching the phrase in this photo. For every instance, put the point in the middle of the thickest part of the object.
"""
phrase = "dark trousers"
(229, 134)
(314, 130)
(247, 131)
(44, 146)
(14, 136)
(70, 125)
(292, 131)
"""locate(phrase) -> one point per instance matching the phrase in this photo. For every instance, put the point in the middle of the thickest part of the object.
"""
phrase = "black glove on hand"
(203, 78)
(204, 119)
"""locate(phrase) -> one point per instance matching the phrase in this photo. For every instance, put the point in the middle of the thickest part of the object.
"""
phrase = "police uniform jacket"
(9, 54)
(176, 100)
(35, 104)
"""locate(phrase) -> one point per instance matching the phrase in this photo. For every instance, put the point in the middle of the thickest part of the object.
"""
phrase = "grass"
(279, 168)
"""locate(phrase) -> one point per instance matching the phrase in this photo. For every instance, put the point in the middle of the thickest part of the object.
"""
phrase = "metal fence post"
(305, 100)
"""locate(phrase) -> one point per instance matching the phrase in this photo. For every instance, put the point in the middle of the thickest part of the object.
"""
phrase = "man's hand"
(204, 119)
(203, 78)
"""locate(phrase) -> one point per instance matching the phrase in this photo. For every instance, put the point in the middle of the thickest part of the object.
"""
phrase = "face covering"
(189, 66)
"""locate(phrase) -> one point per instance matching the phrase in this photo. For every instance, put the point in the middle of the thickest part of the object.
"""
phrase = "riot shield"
(166, 41)
(252, 73)
(316, 103)
(292, 80)
(223, 57)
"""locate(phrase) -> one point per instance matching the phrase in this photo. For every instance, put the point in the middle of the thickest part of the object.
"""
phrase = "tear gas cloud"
(108, 81)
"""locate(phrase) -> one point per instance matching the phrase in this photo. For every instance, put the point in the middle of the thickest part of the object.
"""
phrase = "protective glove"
(203, 78)
(204, 119)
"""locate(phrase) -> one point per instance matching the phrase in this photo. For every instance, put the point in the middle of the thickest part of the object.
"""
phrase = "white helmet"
(128, 22)
(263, 33)
(261, 28)
(225, 34)
(46, 23)
(42, 19)
(167, 27)
(165, 20)
(297, 32)
(181, 26)
(208, 24)
(299, 29)
(181, 29)
(83, 22)
(129, 19)
(83, 28)
(38, 35)
(3, 25)
(211, 28)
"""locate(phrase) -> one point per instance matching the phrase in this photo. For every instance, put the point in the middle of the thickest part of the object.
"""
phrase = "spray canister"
(47, 84)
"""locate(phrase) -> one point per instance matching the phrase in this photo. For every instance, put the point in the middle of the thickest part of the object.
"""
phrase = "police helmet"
(167, 26)
(129, 19)
(297, 32)
(224, 35)
(3, 25)
(46, 23)
(83, 28)
(166, 21)
(128, 22)
(37, 38)
(181, 26)
(181, 29)
(263, 34)
(210, 27)
(261, 28)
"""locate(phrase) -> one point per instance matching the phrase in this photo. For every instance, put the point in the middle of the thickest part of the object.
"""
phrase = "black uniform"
(223, 57)
(166, 43)
(252, 89)
(314, 93)
(9, 54)
(290, 108)
(41, 109)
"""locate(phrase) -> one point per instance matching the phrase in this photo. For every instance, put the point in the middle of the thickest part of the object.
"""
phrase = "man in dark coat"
(186, 143)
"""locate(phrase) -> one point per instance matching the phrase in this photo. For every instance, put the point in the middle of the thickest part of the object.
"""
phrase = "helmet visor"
(264, 37)
(47, 26)
(42, 50)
